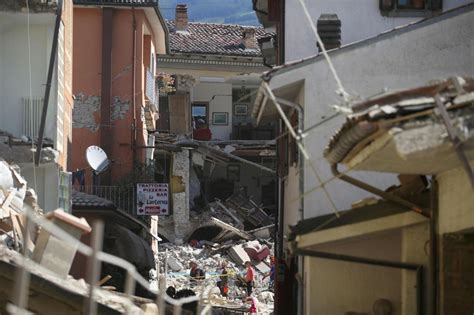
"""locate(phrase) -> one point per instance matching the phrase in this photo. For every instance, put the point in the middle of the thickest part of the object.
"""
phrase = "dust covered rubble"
(210, 258)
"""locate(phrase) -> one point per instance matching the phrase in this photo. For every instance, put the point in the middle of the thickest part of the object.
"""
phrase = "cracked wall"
(85, 108)
(180, 197)
(119, 109)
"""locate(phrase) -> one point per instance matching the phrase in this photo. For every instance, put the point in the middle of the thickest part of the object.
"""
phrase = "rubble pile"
(48, 258)
(210, 258)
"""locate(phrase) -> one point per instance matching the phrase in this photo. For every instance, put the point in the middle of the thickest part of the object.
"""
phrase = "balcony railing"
(150, 88)
(123, 197)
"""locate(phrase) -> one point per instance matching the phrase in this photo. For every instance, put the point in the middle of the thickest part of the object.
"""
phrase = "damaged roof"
(213, 39)
(378, 210)
(390, 116)
(81, 201)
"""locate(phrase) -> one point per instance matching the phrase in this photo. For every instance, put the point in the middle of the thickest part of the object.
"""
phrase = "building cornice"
(255, 62)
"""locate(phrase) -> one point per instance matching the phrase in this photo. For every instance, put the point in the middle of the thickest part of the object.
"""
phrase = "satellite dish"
(97, 159)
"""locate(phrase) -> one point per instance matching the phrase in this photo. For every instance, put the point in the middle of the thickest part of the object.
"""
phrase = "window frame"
(391, 8)
(200, 104)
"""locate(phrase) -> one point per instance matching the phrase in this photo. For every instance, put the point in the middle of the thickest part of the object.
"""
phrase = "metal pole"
(385, 195)
(47, 90)
(129, 291)
(94, 266)
(165, 284)
(161, 298)
(22, 276)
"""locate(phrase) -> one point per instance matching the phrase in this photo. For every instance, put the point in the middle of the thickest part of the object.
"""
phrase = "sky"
(214, 11)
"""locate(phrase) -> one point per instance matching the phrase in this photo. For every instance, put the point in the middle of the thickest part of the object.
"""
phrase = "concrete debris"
(256, 251)
(174, 264)
(69, 284)
(238, 254)
(262, 267)
(210, 258)
(53, 253)
(19, 150)
(229, 232)
(49, 258)
(264, 232)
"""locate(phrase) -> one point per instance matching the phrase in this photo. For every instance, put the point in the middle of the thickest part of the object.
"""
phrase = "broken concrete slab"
(238, 254)
(174, 264)
(53, 253)
(262, 267)
(229, 231)
(256, 251)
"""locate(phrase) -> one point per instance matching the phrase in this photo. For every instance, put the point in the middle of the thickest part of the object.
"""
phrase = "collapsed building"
(26, 245)
(214, 180)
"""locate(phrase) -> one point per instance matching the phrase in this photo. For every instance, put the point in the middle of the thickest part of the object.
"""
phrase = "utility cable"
(29, 90)
(341, 91)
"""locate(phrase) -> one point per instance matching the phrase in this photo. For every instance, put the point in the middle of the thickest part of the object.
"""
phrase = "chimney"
(181, 18)
(248, 38)
(329, 30)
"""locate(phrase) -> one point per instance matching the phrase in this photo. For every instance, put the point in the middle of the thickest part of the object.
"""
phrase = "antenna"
(97, 159)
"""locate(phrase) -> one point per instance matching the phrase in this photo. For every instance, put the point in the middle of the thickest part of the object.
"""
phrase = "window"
(200, 115)
(408, 8)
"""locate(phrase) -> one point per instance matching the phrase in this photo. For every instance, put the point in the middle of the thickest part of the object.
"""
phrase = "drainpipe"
(106, 134)
(300, 275)
(385, 195)
(47, 90)
(376, 262)
(300, 111)
(134, 77)
(434, 246)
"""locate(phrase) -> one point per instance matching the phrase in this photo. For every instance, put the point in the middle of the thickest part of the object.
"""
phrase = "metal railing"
(123, 197)
(96, 255)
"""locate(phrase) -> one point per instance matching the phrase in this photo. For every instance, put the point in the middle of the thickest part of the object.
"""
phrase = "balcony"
(122, 197)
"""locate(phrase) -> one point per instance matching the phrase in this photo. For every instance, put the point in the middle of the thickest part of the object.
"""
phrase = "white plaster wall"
(203, 92)
(337, 287)
(456, 201)
(359, 19)
(14, 76)
(437, 50)
(47, 182)
(415, 250)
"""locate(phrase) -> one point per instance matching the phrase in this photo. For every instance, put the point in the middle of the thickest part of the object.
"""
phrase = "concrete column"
(180, 193)
(415, 246)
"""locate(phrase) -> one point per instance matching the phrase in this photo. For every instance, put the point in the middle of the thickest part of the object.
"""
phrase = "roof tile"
(212, 39)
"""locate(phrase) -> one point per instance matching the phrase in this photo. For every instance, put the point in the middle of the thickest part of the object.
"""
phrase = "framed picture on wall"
(220, 118)
(240, 110)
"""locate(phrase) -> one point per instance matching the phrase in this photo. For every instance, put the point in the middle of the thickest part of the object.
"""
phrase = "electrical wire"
(341, 91)
(30, 91)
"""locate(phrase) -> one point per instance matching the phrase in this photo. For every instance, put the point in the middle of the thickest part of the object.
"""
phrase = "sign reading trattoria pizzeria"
(152, 199)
